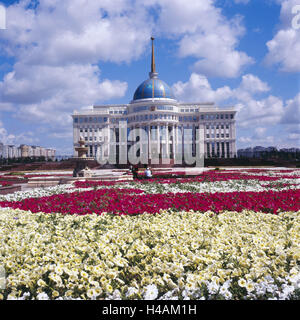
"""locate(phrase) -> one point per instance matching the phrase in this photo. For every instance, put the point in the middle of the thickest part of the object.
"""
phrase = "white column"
(167, 141)
(173, 141)
(225, 148)
(149, 142)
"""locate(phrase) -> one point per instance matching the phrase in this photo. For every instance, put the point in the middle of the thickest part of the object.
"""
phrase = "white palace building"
(167, 126)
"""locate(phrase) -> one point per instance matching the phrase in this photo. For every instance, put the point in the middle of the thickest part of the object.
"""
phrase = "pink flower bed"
(132, 202)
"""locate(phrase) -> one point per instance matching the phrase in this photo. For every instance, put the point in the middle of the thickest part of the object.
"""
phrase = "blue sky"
(58, 56)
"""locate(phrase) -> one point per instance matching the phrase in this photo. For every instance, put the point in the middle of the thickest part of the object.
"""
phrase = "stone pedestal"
(86, 173)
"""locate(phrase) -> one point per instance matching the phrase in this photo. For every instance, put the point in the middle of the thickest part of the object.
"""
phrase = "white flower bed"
(41, 192)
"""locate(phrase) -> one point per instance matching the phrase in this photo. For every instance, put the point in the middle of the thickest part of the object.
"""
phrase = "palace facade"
(166, 121)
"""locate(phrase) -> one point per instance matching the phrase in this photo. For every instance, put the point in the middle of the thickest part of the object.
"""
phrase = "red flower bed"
(131, 201)
(6, 183)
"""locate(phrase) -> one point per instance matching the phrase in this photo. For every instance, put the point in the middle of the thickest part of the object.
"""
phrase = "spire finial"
(153, 57)
(153, 73)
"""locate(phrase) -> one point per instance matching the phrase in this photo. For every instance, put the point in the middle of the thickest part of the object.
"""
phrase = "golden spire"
(153, 73)
(153, 58)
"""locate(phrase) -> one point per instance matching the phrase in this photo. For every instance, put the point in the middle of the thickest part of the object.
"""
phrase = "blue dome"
(153, 88)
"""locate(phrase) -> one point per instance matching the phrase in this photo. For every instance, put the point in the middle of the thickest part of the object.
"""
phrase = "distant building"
(262, 152)
(25, 151)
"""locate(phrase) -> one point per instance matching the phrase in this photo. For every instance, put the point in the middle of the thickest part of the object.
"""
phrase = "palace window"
(140, 108)
(169, 108)
(208, 149)
(163, 132)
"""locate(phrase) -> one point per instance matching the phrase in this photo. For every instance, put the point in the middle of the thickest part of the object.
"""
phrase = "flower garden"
(223, 234)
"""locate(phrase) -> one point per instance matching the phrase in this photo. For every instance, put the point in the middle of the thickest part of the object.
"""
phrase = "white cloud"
(292, 111)
(50, 94)
(294, 136)
(284, 48)
(197, 88)
(204, 33)
(259, 132)
(77, 31)
(17, 139)
(250, 86)
(253, 111)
